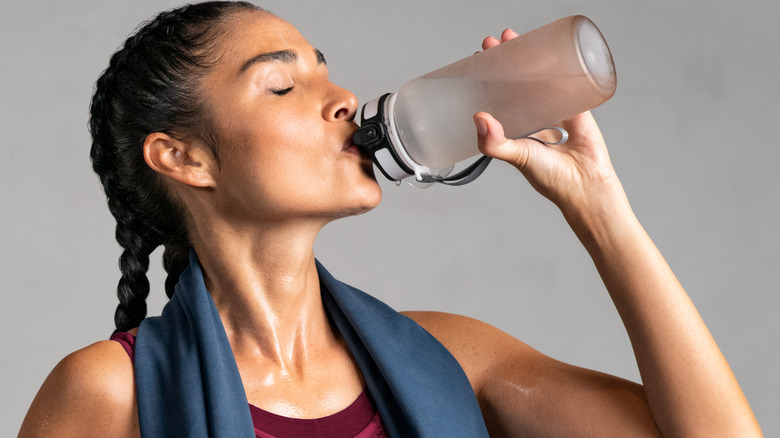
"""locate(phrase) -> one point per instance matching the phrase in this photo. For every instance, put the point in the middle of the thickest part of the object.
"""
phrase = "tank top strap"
(127, 341)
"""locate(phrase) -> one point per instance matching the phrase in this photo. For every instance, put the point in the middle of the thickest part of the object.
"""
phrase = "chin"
(369, 190)
(371, 200)
(366, 198)
(375, 195)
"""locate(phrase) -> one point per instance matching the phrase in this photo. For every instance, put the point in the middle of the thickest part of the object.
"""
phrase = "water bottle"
(528, 83)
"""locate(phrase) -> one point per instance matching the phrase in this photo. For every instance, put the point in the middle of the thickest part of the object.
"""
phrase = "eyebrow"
(320, 57)
(285, 56)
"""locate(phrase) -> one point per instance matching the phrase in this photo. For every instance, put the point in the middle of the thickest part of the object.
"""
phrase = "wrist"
(600, 216)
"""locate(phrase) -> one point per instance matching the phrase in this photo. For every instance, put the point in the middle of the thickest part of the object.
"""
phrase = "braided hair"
(151, 85)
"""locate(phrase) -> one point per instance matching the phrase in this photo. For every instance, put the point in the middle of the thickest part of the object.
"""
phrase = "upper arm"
(522, 392)
(91, 392)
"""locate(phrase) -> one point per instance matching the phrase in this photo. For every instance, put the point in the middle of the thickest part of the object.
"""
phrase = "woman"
(215, 128)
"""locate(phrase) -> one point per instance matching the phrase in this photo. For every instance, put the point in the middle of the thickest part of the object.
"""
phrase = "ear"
(187, 162)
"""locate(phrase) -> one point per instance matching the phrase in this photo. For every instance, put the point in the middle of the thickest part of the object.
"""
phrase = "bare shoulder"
(478, 347)
(91, 392)
(462, 332)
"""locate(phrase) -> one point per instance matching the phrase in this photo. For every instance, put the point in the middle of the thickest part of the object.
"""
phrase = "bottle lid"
(375, 139)
(378, 138)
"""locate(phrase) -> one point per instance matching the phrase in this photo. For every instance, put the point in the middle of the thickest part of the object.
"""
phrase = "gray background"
(691, 130)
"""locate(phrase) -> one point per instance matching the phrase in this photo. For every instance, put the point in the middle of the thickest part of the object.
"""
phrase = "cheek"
(276, 145)
(300, 147)
(292, 168)
(285, 161)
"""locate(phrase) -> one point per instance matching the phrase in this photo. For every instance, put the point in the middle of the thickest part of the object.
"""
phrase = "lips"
(352, 149)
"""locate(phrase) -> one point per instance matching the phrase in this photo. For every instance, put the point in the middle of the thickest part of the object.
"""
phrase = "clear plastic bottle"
(528, 83)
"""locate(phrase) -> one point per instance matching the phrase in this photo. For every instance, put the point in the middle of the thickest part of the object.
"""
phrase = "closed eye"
(282, 92)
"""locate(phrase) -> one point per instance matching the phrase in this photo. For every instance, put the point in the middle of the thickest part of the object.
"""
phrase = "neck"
(266, 289)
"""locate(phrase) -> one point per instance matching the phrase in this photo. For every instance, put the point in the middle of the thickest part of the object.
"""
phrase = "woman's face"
(284, 130)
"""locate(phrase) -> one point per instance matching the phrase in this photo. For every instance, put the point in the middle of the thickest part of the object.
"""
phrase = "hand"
(569, 174)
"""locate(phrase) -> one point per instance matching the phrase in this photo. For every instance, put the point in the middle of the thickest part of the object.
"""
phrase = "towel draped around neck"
(188, 384)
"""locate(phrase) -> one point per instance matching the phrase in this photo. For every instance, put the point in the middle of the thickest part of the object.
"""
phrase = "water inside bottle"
(434, 116)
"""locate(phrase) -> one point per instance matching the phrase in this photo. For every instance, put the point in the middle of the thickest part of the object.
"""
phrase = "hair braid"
(151, 85)
(133, 287)
(175, 260)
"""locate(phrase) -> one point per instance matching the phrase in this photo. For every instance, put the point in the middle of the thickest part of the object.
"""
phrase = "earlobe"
(183, 161)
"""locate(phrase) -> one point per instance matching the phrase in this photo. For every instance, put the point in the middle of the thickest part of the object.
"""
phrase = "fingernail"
(482, 128)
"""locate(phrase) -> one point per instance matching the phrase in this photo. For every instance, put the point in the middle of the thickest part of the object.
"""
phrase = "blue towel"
(188, 383)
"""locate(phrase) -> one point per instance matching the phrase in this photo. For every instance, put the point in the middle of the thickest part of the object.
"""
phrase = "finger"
(583, 128)
(493, 143)
(508, 34)
(489, 42)
(581, 123)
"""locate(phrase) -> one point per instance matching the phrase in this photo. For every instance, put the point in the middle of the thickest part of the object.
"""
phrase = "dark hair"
(152, 85)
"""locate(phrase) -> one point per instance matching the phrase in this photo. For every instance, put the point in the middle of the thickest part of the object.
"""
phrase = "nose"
(342, 105)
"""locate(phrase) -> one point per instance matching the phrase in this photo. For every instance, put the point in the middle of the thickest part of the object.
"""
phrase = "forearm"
(690, 387)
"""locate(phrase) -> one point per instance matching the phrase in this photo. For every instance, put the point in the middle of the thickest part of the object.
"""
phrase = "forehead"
(249, 34)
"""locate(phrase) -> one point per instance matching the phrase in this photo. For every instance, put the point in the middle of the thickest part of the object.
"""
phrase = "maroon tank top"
(358, 420)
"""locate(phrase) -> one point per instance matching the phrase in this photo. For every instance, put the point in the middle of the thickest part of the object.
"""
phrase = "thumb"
(492, 142)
